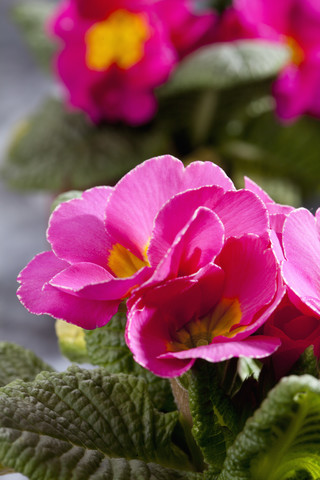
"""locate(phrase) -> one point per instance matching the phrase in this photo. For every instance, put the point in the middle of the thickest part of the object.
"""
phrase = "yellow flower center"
(202, 331)
(297, 54)
(123, 263)
(119, 40)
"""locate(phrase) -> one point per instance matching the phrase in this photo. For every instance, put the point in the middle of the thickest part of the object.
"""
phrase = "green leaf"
(226, 65)
(86, 424)
(307, 363)
(31, 18)
(107, 348)
(214, 417)
(65, 197)
(18, 362)
(58, 150)
(72, 342)
(282, 440)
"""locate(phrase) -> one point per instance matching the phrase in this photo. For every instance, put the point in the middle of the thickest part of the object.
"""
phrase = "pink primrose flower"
(210, 315)
(296, 330)
(295, 23)
(109, 241)
(115, 53)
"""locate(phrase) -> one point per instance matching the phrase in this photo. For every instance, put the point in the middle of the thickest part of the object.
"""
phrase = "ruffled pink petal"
(168, 223)
(251, 274)
(265, 16)
(254, 347)
(87, 280)
(160, 310)
(242, 212)
(301, 270)
(76, 228)
(253, 187)
(196, 245)
(39, 297)
(149, 186)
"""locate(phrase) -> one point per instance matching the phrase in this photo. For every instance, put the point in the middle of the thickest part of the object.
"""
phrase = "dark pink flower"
(296, 330)
(100, 242)
(114, 53)
(296, 23)
(210, 315)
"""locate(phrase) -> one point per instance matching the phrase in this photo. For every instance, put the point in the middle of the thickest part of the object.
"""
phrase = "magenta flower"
(211, 315)
(107, 243)
(295, 23)
(115, 53)
(296, 330)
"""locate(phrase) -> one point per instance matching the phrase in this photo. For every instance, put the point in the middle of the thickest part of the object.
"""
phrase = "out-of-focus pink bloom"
(211, 315)
(301, 268)
(115, 53)
(295, 23)
(101, 242)
(277, 215)
(296, 330)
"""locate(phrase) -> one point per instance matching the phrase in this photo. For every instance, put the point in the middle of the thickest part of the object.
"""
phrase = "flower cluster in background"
(115, 53)
(295, 23)
(209, 271)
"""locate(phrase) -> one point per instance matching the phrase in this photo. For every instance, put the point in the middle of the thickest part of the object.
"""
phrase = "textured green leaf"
(31, 18)
(18, 362)
(86, 424)
(58, 150)
(72, 342)
(107, 348)
(214, 417)
(282, 440)
(226, 65)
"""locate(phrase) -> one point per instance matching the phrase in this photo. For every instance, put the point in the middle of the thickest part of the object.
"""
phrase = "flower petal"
(149, 186)
(39, 297)
(76, 228)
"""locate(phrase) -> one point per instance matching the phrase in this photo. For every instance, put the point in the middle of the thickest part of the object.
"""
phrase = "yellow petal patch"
(297, 54)
(123, 263)
(117, 40)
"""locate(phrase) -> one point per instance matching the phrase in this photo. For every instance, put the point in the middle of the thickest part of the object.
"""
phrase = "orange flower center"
(202, 331)
(297, 53)
(123, 263)
(118, 40)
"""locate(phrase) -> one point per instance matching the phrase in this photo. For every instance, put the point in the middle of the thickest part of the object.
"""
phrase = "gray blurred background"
(23, 217)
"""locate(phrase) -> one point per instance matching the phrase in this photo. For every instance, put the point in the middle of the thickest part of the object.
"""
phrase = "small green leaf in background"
(18, 362)
(65, 197)
(72, 342)
(87, 424)
(107, 348)
(282, 440)
(307, 363)
(31, 18)
(224, 65)
(57, 150)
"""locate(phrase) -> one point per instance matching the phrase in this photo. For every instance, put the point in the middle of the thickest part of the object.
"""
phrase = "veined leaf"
(225, 65)
(87, 424)
(282, 440)
(107, 348)
(32, 18)
(72, 341)
(18, 362)
(214, 417)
